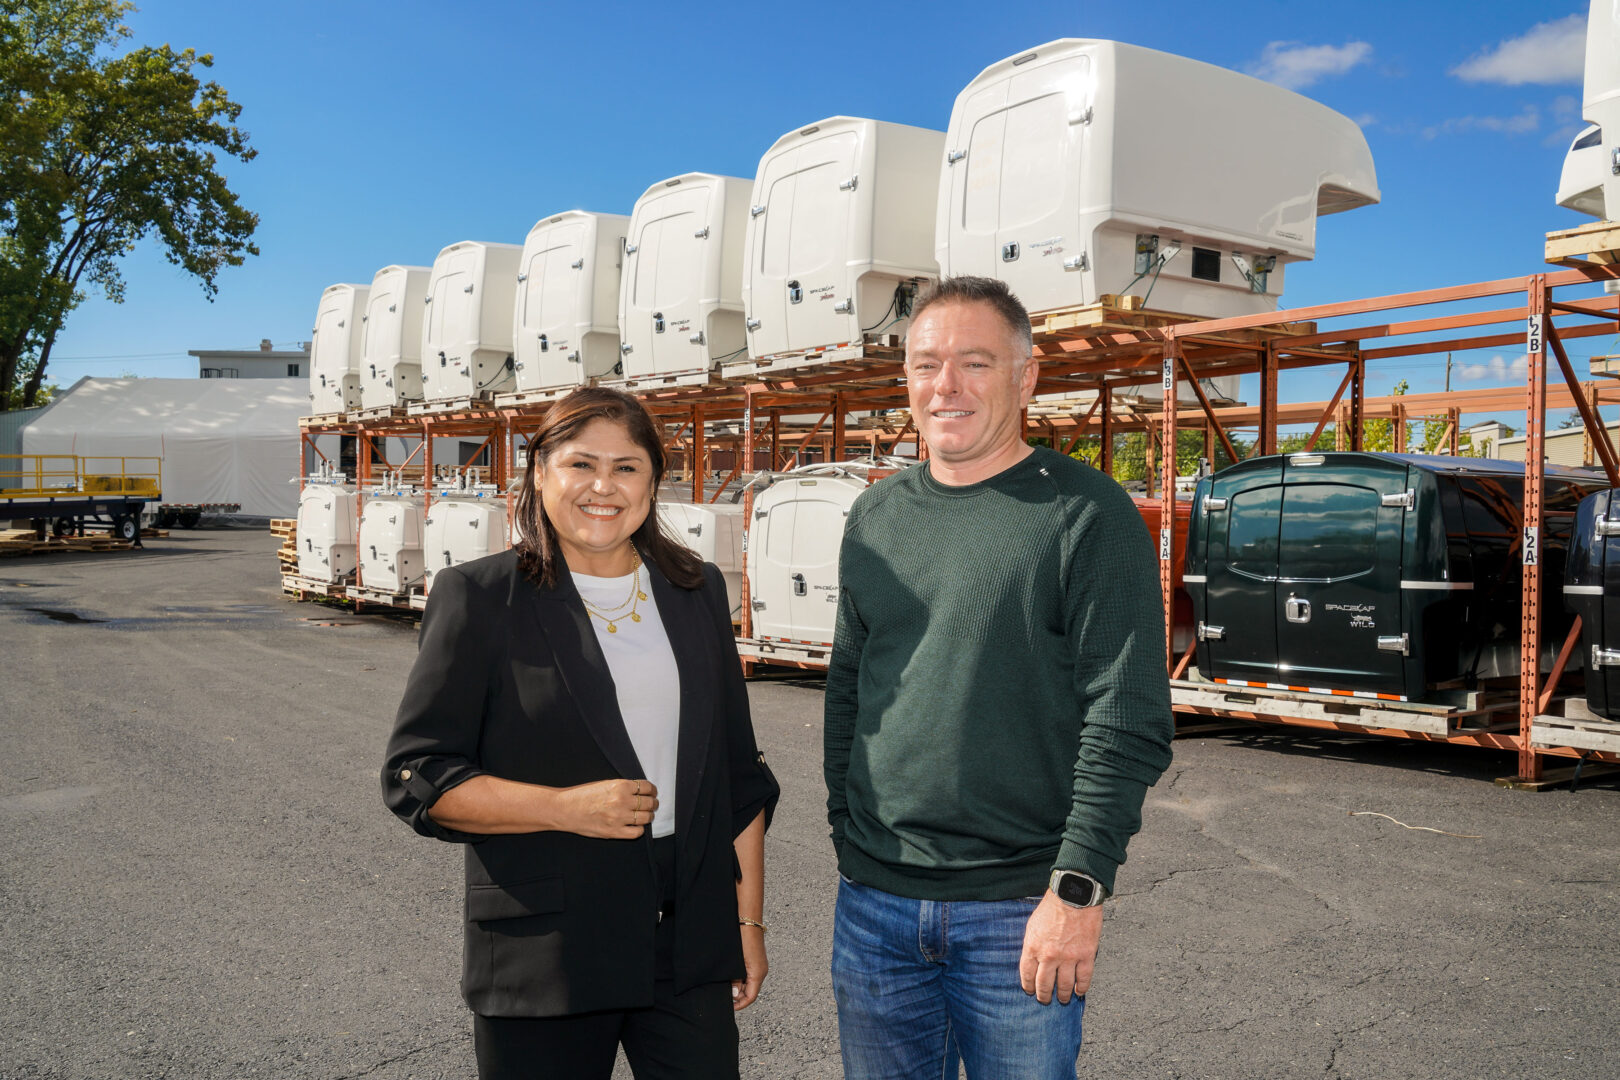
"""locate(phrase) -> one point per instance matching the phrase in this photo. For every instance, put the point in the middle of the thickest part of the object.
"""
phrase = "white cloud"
(1365, 120)
(1550, 53)
(1527, 120)
(1567, 122)
(1499, 368)
(1294, 66)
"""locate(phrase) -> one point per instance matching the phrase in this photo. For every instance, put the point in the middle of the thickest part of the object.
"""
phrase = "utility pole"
(1448, 373)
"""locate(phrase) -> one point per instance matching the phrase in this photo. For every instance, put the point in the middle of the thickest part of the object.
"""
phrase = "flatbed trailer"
(69, 495)
(189, 515)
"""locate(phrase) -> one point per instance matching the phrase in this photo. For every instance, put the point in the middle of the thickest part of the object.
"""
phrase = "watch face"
(1074, 889)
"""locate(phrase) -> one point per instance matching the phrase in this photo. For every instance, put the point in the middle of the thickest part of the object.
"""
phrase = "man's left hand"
(1060, 947)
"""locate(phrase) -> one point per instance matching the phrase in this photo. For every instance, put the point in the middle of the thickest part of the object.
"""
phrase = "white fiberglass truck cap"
(326, 513)
(467, 322)
(334, 349)
(840, 233)
(1086, 168)
(567, 329)
(680, 297)
(391, 346)
(390, 539)
(1590, 183)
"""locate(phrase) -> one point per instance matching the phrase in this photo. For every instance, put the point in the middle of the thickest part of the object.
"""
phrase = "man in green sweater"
(996, 709)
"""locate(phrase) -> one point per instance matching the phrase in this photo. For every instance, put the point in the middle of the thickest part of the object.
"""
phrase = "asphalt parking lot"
(198, 877)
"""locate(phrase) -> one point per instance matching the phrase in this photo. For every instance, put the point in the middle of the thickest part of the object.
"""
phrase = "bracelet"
(754, 922)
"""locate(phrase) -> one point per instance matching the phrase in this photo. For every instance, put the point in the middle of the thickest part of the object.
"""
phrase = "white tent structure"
(221, 440)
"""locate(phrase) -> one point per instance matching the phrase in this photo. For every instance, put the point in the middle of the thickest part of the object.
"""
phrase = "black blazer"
(509, 680)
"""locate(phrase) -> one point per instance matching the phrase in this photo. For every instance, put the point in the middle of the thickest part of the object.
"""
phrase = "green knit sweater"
(997, 704)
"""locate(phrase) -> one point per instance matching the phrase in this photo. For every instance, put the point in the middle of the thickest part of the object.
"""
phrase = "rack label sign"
(1533, 342)
(1532, 547)
(1169, 373)
(1164, 544)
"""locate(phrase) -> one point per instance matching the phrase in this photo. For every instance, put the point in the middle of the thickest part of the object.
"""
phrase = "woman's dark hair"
(538, 553)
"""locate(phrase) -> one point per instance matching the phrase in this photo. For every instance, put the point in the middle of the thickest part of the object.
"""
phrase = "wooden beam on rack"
(903, 433)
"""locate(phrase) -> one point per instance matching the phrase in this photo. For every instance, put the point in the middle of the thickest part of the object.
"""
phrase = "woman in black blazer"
(602, 907)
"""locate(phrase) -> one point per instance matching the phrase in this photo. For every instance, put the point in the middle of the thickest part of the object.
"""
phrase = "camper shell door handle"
(1297, 610)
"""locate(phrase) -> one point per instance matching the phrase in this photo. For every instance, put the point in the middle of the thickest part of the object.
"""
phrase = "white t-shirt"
(646, 679)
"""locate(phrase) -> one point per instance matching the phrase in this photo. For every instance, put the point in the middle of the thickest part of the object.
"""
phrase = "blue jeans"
(925, 984)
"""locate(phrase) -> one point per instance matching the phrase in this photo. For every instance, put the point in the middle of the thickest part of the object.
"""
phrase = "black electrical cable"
(892, 301)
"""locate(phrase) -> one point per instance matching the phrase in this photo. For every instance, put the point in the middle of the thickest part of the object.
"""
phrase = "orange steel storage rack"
(1531, 319)
(1113, 356)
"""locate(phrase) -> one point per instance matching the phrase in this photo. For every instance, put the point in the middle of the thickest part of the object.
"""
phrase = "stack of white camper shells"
(391, 352)
(567, 329)
(793, 553)
(326, 511)
(1590, 183)
(714, 531)
(391, 538)
(467, 327)
(334, 350)
(466, 521)
(840, 234)
(680, 297)
(1086, 168)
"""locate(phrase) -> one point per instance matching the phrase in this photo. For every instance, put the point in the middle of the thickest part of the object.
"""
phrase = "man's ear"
(1027, 378)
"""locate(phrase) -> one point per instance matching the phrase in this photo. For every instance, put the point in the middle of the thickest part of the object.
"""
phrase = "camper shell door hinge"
(1404, 499)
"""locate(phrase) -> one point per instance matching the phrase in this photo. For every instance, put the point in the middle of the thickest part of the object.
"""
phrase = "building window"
(292, 369)
(219, 373)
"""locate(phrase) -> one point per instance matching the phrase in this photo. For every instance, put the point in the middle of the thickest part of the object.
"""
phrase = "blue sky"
(386, 131)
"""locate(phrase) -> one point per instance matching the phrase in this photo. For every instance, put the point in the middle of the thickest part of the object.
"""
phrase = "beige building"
(265, 362)
(1564, 446)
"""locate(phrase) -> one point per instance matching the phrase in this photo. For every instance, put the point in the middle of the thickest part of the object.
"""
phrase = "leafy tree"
(1380, 434)
(98, 152)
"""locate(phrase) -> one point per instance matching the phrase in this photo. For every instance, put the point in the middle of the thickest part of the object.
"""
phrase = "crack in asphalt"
(402, 1057)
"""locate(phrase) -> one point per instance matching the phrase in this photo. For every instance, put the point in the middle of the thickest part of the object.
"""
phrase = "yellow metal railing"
(25, 476)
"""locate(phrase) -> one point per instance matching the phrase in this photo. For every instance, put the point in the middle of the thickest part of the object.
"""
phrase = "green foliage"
(43, 396)
(98, 152)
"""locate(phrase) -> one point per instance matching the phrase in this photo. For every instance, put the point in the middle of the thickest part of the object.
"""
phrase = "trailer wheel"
(190, 518)
(126, 528)
(62, 526)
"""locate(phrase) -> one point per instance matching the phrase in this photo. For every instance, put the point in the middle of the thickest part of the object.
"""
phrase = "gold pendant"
(634, 617)
(641, 596)
(612, 628)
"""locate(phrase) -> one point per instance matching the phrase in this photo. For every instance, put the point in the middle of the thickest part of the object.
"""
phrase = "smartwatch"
(1077, 889)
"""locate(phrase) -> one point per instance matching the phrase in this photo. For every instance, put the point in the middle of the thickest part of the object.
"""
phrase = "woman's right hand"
(607, 809)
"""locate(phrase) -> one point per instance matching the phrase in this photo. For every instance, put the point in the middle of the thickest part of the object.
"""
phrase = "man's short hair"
(970, 289)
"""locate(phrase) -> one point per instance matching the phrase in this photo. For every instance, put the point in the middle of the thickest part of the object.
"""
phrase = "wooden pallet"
(1547, 732)
(302, 587)
(380, 412)
(854, 359)
(478, 403)
(1113, 314)
(323, 419)
(1456, 713)
(695, 377)
(1597, 242)
(378, 596)
(26, 542)
(543, 396)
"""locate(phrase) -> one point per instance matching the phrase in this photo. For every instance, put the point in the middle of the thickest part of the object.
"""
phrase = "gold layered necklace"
(614, 614)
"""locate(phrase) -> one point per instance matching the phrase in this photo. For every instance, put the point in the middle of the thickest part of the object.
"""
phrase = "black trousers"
(690, 1036)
